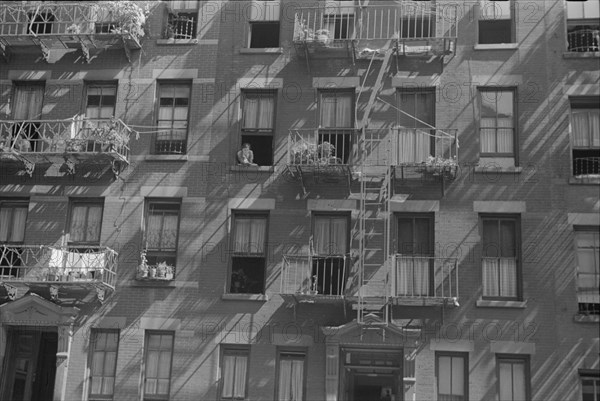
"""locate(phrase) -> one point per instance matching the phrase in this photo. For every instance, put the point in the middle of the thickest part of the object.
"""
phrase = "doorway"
(30, 365)
(373, 374)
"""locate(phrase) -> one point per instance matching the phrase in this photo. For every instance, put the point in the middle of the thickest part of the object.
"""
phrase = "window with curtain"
(104, 345)
(497, 122)
(258, 121)
(85, 222)
(336, 124)
(500, 257)
(585, 135)
(162, 231)
(583, 27)
(249, 251)
(13, 216)
(495, 22)
(513, 377)
(590, 384)
(157, 364)
(452, 373)
(173, 116)
(28, 102)
(290, 383)
(416, 115)
(329, 249)
(587, 245)
(234, 373)
(415, 261)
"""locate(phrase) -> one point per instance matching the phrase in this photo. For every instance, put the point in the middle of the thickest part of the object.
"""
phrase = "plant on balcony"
(304, 153)
(128, 17)
(109, 135)
(160, 271)
(439, 165)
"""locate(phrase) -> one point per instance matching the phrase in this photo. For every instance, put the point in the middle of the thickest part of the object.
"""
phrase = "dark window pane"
(264, 34)
(491, 240)
(405, 236)
(495, 31)
(507, 238)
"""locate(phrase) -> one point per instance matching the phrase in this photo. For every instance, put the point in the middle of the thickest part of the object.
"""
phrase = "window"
(496, 22)
(590, 384)
(336, 123)
(173, 110)
(500, 257)
(452, 373)
(585, 134)
(103, 352)
(583, 26)
(40, 22)
(416, 115)
(85, 222)
(181, 25)
(249, 251)
(291, 373)
(162, 232)
(234, 373)
(497, 122)
(513, 377)
(258, 121)
(415, 262)
(101, 101)
(264, 34)
(330, 243)
(587, 245)
(28, 101)
(157, 365)
(13, 216)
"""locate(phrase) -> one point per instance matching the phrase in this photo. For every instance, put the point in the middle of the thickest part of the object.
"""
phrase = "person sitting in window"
(245, 156)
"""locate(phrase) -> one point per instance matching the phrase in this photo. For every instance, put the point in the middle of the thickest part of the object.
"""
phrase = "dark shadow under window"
(262, 148)
(495, 31)
(264, 34)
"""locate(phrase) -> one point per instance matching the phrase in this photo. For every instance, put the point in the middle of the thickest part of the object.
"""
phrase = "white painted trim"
(584, 219)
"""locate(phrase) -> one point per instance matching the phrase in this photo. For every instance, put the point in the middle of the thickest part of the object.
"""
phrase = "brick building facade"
(422, 217)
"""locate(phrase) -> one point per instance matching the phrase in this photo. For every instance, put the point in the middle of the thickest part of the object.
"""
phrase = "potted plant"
(441, 166)
(322, 36)
(129, 18)
(142, 271)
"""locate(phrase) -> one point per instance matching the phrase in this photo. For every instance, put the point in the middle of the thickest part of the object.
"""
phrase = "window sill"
(586, 318)
(150, 282)
(261, 169)
(498, 169)
(182, 158)
(245, 297)
(176, 41)
(497, 46)
(581, 55)
(585, 180)
(485, 303)
(265, 50)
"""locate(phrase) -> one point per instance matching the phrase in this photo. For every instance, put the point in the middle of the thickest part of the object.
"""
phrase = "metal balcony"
(64, 271)
(408, 27)
(583, 40)
(314, 278)
(71, 141)
(78, 25)
(424, 280)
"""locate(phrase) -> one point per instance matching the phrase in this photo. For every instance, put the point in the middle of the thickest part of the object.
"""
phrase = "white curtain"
(258, 111)
(86, 223)
(488, 135)
(250, 234)
(512, 381)
(78, 219)
(234, 376)
(586, 128)
(499, 277)
(336, 110)
(412, 277)
(291, 380)
(14, 232)
(162, 231)
(28, 102)
(330, 236)
(413, 145)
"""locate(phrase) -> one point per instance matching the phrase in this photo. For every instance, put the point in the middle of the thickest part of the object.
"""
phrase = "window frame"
(100, 84)
(293, 353)
(260, 132)
(574, 22)
(515, 148)
(453, 354)
(237, 350)
(162, 84)
(336, 92)
(93, 341)
(514, 358)
(147, 334)
(593, 375)
(512, 19)
(330, 215)
(581, 103)
(413, 216)
(516, 218)
(244, 213)
(148, 202)
(584, 229)
(251, 25)
(15, 203)
(176, 14)
(73, 202)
